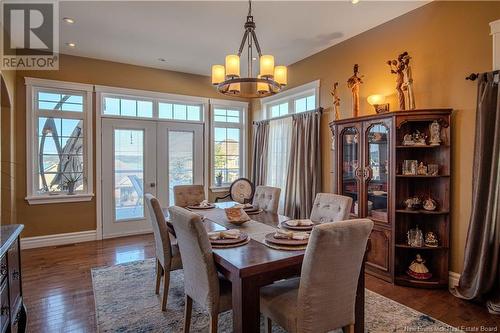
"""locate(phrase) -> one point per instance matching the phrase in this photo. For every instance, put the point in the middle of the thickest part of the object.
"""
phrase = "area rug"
(125, 302)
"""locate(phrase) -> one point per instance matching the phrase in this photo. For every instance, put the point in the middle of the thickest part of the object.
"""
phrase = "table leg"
(359, 308)
(246, 306)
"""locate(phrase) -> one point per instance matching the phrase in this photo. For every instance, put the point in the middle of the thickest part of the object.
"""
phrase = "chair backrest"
(200, 275)
(160, 231)
(267, 198)
(330, 273)
(186, 195)
(242, 190)
(329, 207)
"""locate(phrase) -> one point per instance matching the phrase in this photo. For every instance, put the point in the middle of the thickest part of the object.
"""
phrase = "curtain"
(480, 280)
(279, 156)
(304, 170)
(260, 145)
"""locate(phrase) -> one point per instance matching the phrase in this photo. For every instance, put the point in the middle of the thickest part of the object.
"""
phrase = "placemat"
(227, 246)
(283, 247)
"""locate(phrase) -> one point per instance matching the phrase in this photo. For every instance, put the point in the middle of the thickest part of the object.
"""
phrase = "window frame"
(33, 86)
(242, 126)
(290, 96)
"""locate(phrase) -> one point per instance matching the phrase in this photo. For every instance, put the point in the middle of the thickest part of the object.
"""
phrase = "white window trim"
(290, 95)
(243, 106)
(34, 84)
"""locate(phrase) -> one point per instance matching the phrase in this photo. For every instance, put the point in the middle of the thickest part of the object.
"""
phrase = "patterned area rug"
(126, 302)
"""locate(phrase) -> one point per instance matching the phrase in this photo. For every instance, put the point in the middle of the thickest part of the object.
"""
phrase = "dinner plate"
(254, 212)
(210, 206)
(298, 227)
(228, 241)
(288, 242)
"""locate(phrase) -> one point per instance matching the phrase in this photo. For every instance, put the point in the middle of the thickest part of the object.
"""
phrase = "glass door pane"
(128, 174)
(180, 160)
(350, 166)
(377, 168)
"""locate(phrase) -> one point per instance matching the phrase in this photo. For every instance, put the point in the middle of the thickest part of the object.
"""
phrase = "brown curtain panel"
(260, 144)
(304, 170)
(480, 280)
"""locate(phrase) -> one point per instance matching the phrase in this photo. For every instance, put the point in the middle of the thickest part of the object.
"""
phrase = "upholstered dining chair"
(323, 298)
(167, 251)
(267, 198)
(201, 282)
(241, 190)
(187, 195)
(329, 207)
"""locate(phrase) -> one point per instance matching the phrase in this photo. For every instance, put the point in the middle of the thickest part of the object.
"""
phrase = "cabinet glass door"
(377, 171)
(350, 166)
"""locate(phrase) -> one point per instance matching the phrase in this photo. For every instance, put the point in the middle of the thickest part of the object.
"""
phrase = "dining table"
(254, 265)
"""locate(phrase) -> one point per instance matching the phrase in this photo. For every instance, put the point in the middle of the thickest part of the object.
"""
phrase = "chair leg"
(214, 323)
(268, 325)
(348, 328)
(187, 313)
(159, 270)
(166, 283)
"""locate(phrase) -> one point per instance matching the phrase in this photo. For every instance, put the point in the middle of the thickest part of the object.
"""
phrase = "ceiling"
(191, 36)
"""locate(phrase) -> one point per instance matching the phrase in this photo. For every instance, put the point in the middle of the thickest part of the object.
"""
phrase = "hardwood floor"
(58, 289)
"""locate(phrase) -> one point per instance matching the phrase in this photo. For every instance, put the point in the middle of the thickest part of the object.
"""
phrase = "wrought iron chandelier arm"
(242, 45)
(256, 43)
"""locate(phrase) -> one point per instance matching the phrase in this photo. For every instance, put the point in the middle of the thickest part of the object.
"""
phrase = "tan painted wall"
(73, 217)
(447, 40)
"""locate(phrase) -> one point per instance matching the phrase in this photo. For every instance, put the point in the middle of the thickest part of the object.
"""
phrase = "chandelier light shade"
(218, 74)
(227, 79)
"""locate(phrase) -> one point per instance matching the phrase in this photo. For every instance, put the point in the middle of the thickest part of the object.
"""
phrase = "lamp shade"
(262, 87)
(376, 99)
(280, 75)
(232, 65)
(234, 88)
(218, 74)
(267, 66)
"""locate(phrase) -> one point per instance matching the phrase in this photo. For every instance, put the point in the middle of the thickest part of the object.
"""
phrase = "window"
(228, 137)
(59, 134)
(127, 107)
(179, 111)
(300, 99)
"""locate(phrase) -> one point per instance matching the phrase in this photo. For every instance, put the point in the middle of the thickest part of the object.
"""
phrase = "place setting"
(202, 205)
(288, 240)
(249, 209)
(299, 225)
(228, 238)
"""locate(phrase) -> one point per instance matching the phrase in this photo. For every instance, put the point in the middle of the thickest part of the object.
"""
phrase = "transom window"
(59, 136)
(179, 111)
(279, 110)
(296, 100)
(128, 107)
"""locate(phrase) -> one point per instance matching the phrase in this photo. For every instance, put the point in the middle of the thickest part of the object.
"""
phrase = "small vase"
(218, 181)
(71, 188)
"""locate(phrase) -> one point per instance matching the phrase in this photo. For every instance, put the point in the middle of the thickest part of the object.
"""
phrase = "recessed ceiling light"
(162, 59)
(69, 20)
(354, 1)
(71, 44)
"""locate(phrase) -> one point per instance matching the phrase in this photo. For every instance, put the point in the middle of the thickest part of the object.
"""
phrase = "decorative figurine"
(435, 131)
(354, 83)
(413, 203)
(431, 239)
(336, 101)
(408, 140)
(415, 237)
(430, 204)
(410, 167)
(422, 169)
(419, 138)
(417, 269)
(404, 81)
(408, 80)
(433, 169)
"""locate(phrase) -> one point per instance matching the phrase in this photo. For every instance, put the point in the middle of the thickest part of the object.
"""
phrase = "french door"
(141, 156)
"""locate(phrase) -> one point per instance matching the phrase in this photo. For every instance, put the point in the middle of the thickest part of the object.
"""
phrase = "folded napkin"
(226, 234)
(236, 215)
(285, 234)
(301, 223)
(204, 204)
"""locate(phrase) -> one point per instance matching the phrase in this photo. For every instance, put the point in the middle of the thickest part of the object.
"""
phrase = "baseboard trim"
(58, 239)
(453, 279)
(128, 233)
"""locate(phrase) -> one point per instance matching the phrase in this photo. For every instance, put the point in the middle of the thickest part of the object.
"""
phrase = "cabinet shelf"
(422, 211)
(405, 246)
(433, 282)
(422, 176)
(422, 147)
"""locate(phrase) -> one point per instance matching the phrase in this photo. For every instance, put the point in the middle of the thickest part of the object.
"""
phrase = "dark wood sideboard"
(13, 312)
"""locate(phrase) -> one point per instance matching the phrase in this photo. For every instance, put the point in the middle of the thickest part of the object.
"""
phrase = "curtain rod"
(319, 109)
(474, 76)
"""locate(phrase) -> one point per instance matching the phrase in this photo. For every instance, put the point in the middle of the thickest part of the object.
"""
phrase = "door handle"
(153, 184)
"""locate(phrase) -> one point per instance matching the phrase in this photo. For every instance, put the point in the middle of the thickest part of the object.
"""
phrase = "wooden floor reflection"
(58, 289)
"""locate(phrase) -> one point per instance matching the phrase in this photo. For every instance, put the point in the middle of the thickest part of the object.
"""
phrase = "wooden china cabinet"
(369, 155)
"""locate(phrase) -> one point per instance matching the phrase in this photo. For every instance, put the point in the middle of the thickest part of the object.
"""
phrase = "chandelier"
(227, 78)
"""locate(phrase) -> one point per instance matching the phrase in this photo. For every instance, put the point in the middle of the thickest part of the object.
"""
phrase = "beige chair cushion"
(267, 198)
(167, 251)
(326, 293)
(201, 281)
(329, 207)
(187, 195)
